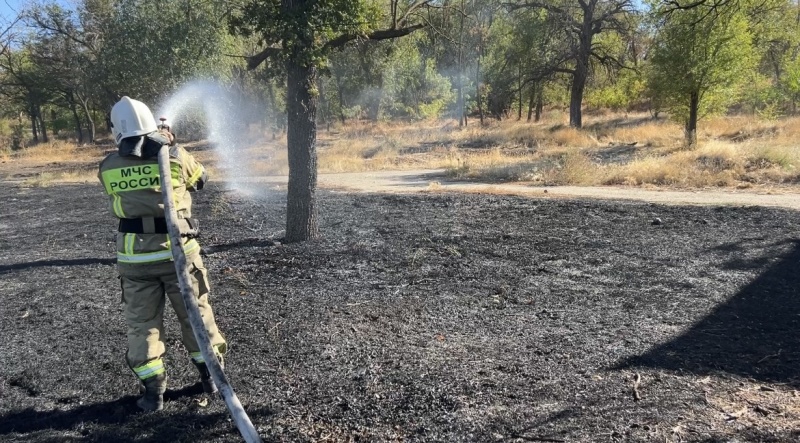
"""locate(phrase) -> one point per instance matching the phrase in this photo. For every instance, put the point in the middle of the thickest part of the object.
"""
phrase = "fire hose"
(238, 413)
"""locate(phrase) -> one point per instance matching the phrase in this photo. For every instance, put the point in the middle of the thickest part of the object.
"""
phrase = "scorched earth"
(427, 317)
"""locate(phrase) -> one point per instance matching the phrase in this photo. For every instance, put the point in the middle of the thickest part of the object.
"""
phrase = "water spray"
(218, 108)
(221, 114)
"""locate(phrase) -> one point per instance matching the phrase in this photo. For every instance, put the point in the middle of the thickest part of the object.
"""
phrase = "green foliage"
(439, 94)
(6, 127)
(621, 92)
(413, 87)
(761, 95)
(303, 33)
(389, 79)
(153, 46)
(791, 79)
(616, 89)
(700, 53)
(743, 59)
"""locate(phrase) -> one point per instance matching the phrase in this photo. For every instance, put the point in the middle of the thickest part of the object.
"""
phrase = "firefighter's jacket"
(133, 186)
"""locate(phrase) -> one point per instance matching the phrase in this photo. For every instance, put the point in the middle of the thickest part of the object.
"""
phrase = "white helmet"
(130, 118)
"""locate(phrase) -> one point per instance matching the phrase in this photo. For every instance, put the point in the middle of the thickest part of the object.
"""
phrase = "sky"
(9, 9)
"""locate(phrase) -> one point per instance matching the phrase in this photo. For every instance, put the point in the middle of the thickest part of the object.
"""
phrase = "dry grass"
(46, 179)
(650, 134)
(612, 150)
(58, 151)
(732, 151)
(752, 405)
(571, 137)
(382, 146)
(576, 168)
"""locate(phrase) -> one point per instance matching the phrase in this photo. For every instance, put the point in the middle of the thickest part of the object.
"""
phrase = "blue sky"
(9, 8)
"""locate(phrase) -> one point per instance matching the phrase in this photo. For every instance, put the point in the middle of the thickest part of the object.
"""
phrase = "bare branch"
(10, 26)
(535, 4)
(404, 20)
(676, 5)
(56, 26)
(254, 61)
(383, 34)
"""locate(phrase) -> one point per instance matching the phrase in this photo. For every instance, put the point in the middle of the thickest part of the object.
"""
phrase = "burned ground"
(419, 318)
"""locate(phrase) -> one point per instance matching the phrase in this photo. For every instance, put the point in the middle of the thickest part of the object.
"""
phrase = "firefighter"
(130, 177)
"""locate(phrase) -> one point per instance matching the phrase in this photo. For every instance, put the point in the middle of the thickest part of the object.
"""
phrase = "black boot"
(153, 398)
(209, 387)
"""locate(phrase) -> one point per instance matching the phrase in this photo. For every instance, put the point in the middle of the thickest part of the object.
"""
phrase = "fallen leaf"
(201, 402)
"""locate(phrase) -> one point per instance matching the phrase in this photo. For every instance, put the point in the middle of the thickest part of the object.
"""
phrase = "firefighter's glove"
(165, 132)
(193, 231)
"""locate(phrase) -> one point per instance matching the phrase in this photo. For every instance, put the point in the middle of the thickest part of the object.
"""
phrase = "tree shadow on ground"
(110, 412)
(49, 263)
(754, 334)
(621, 122)
(246, 243)
(121, 420)
(535, 430)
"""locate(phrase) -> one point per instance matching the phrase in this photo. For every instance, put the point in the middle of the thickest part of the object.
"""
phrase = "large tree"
(301, 34)
(63, 63)
(25, 88)
(776, 38)
(581, 21)
(698, 61)
(522, 53)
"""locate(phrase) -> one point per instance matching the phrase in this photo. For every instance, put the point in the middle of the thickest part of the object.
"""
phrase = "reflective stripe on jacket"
(134, 190)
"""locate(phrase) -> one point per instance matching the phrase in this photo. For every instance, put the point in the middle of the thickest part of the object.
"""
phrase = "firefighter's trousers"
(144, 289)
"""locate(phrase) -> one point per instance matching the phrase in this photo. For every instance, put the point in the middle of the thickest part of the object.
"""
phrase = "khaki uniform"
(144, 256)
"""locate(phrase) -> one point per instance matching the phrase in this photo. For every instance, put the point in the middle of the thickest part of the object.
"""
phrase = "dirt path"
(436, 181)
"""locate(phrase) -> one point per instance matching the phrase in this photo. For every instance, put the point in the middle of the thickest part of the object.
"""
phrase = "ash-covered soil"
(422, 318)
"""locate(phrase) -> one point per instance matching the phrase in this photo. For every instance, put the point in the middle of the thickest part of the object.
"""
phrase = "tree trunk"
(539, 103)
(89, 125)
(581, 72)
(301, 209)
(76, 118)
(462, 120)
(461, 107)
(337, 76)
(34, 122)
(17, 140)
(576, 93)
(89, 120)
(42, 126)
(519, 85)
(34, 127)
(691, 122)
(478, 88)
(531, 102)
